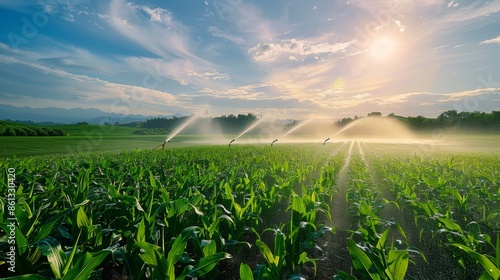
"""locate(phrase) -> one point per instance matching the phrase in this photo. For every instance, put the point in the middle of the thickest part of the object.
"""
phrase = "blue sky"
(293, 59)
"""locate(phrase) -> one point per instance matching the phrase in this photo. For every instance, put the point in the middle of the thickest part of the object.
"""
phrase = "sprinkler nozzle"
(231, 142)
(326, 140)
(275, 140)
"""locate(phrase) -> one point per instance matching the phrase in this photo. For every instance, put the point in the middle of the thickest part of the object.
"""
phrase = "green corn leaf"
(298, 204)
(206, 264)
(398, 264)
(487, 264)
(178, 207)
(449, 224)
(266, 253)
(383, 239)
(51, 248)
(49, 226)
(279, 246)
(82, 219)
(361, 261)
(148, 254)
(210, 248)
(72, 254)
(85, 265)
(22, 243)
(177, 249)
(141, 231)
(245, 272)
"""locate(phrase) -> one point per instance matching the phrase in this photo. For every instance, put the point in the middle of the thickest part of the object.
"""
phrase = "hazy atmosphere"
(296, 59)
(242, 140)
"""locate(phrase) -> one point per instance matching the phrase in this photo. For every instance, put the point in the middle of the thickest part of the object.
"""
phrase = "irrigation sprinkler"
(162, 145)
(275, 140)
(324, 142)
(231, 142)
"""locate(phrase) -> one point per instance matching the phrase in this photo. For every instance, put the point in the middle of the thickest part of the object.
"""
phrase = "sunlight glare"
(383, 47)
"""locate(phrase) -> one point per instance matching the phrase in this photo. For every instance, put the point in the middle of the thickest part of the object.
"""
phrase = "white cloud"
(297, 48)
(156, 14)
(495, 40)
(453, 4)
(210, 75)
(400, 26)
(102, 16)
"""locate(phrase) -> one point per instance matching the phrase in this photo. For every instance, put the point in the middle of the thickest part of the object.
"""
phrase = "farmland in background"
(349, 209)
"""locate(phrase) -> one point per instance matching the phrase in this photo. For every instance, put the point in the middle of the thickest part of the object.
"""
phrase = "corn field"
(347, 210)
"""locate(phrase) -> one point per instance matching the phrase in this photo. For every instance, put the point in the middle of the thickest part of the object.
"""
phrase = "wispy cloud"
(246, 92)
(472, 11)
(183, 71)
(161, 34)
(219, 33)
(471, 93)
(247, 22)
(495, 40)
(60, 88)
(296, 48)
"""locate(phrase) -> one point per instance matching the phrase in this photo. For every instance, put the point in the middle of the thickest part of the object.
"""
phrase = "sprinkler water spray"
(326, 140)
(231, 142)
(275, 140)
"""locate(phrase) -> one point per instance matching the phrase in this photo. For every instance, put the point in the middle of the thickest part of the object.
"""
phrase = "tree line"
(447, 119)
(228, 123)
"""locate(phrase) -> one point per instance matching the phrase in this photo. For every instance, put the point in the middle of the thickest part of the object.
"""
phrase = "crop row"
(171, 214)
(454, 204)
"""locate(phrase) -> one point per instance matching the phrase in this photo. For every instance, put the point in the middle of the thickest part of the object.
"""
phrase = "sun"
(383, 47)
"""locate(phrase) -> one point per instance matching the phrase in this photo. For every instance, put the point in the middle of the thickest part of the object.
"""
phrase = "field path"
(335, 245)
(339, 203)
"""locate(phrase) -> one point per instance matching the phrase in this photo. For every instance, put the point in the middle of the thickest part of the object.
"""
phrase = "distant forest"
(449, 119)
(225, 123)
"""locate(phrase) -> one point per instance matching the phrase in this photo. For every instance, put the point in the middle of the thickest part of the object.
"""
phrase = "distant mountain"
(74, 115)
